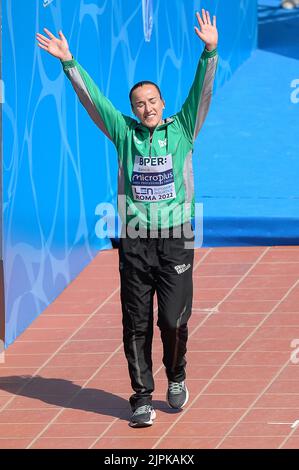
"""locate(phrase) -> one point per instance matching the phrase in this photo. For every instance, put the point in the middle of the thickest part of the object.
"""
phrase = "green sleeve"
(194, 110)
(111, 121)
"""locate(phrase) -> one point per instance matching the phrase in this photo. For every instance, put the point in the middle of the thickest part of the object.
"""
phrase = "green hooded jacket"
(155, 177)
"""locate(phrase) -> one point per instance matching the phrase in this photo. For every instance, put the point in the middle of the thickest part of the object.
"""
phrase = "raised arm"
(100, 109)
(196, 106)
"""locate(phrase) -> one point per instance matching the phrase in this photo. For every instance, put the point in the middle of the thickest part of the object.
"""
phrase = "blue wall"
(57, 166)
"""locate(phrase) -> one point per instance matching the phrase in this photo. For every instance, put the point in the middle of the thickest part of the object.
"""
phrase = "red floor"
(64, 383)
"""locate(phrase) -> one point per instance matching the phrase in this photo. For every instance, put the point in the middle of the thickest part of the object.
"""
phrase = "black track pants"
(149, 265)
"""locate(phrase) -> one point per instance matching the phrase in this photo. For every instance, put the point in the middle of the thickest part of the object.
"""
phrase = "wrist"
(67, 56)
(211, 47)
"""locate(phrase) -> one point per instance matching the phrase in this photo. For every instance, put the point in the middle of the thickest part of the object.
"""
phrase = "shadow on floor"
(66, 394)
(278, 30)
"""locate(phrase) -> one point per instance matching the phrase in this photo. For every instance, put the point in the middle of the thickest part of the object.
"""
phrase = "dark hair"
(144, 82)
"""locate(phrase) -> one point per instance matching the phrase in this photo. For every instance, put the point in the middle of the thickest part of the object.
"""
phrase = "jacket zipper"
(151, 141)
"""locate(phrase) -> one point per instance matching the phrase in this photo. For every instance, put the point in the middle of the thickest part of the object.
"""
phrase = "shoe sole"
(145, 424)
(178, 407)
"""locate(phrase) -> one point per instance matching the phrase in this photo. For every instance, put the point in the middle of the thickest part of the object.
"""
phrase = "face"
(148, 106)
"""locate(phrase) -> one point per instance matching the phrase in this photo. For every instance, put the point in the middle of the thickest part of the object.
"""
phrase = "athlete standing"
(156, 202)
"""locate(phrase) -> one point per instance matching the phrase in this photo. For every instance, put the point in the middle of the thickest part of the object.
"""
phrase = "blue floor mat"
(247, 157)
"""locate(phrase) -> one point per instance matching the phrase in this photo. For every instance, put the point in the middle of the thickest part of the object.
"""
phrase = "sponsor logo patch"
(181, 268)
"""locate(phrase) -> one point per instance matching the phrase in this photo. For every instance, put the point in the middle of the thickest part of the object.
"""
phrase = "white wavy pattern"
(57, 166)
(147, 13)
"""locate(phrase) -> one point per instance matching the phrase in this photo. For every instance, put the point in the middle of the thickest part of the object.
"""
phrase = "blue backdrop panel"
(278, 28)
(57, 165)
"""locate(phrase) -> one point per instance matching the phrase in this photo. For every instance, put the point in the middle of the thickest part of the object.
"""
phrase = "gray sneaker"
(143, 416)
(177, 394)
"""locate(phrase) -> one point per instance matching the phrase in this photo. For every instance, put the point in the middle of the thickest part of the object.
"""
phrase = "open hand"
(57, 47)
(208, 31)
